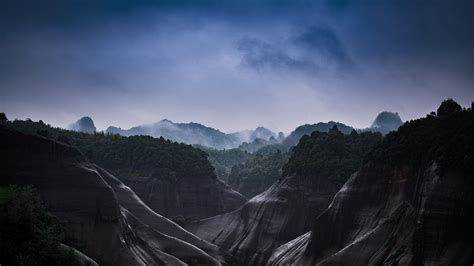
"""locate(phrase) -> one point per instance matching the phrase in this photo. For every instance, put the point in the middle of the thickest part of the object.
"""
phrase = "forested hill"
(140, 156)
(176, 180)
(331, 155)
(445, 137)
(307, 129)
(317, 169)
(410, 203)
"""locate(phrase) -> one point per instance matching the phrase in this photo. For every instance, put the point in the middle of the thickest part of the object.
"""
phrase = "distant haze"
(233, 65)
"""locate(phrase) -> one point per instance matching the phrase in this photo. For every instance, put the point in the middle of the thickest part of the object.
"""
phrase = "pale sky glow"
(233, 65)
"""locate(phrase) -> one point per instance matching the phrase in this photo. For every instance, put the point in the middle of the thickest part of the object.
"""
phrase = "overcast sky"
(233, 64)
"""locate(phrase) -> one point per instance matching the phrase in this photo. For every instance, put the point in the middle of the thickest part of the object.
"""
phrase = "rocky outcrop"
(385, 122)
(187, 198)
(85, 124)
(410, 204)
(268, 220)
(288, 208)
(102, 218)
(175, 180)
(390, 216)
(388, 120)
(81, 258)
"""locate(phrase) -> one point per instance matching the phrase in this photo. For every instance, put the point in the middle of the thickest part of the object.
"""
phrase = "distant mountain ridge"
(85, 124)
(385, 122)
(248, 140)
(251, 135)
(194, 134)
(307, 129)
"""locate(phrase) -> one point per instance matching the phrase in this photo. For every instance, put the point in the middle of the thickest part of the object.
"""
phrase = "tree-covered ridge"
(257, 173)
(29, 234)
(445, 137)
(224, 160)
(128, 157)
(332, 155)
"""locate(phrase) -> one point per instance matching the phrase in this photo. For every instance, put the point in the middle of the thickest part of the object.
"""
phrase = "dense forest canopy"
(445, 137)
(224, 160)
(257, 173)
(29, 234)
(332, 155)
(135, 156)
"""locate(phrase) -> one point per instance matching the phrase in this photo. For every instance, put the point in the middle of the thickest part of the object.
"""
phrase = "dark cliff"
(176, 180)
(410, 204)
(287, 209)
(102, 217)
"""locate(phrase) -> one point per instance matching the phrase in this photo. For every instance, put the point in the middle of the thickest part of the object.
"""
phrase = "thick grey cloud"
(233, 64)
(315, 48)
(261, 55)
(323, 40)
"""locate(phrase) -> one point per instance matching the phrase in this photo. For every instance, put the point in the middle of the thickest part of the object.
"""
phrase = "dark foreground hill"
(102, 217)
(411, 203)
(175, 180)
(315, 172)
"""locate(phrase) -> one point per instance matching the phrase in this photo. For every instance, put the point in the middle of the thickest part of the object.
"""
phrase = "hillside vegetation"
(135, 156)
(445, 137)
(331, 155)
(29, 234)
(257, 173)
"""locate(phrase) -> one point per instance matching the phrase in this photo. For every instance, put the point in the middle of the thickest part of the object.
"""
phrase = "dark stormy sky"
(233, 64)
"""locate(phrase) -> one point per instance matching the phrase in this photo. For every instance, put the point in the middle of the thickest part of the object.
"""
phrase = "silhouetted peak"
(166, 121)
(388, 120)
(448, 107)
(85, 124)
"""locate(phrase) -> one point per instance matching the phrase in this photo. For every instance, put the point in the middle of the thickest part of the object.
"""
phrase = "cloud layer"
(233, 64)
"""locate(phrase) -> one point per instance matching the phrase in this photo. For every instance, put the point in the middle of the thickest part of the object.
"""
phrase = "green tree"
(3, 117)
(330, 155)
(29, 234)
(448, 107)
(447, 139)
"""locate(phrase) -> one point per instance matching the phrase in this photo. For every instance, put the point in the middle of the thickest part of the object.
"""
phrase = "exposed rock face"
(189, 198)
(85, 124)
(391, 216)
(268, 220)
(173, 179)
(103, 218)
(81, 258)
(410, 204)
(288, 208)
